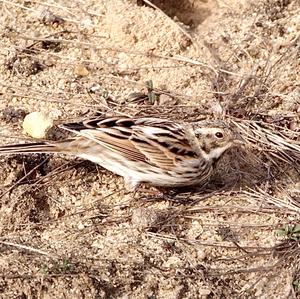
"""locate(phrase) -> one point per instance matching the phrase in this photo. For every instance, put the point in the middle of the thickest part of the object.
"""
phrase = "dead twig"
(24, 247)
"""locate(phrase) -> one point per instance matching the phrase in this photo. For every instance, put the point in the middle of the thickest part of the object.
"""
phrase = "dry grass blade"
(23, 177)
(23, 247)
(278, 142)
(288, 204)
(172, 22)
(171, 237)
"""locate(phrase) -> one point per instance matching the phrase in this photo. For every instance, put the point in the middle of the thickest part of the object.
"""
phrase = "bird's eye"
(219, 135)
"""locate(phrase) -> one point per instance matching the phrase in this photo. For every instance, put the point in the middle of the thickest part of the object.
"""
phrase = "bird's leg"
(131, 184)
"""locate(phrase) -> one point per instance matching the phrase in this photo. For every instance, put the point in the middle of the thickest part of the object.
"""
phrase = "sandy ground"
(68, 229)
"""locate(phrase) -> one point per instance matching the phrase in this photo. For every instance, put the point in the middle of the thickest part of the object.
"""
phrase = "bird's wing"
(158, 142)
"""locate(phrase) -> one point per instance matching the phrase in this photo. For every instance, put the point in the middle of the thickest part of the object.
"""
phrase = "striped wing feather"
(150, 140)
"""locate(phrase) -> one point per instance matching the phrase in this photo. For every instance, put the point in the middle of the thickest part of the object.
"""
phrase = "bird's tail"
(38, 147)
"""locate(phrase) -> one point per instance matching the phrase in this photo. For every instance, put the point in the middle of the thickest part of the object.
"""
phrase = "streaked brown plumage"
(152, 150)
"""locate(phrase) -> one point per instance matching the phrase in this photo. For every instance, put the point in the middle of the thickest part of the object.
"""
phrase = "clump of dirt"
(69, 229)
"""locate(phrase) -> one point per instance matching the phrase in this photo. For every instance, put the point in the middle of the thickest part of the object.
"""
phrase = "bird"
(160, 152)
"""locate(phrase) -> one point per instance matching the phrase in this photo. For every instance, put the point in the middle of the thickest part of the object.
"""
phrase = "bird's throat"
(216, 153)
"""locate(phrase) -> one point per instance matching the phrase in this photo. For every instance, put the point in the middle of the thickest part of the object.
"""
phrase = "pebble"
(36, 124)
(80, 70)
(146, 217)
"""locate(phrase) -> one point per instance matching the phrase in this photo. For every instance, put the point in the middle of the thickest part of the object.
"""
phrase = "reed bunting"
(150, 150)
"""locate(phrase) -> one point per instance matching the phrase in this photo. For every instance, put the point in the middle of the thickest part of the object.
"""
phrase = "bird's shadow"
(242, 168)
(238, 169)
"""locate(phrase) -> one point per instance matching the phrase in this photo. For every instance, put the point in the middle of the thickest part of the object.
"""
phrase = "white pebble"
(36, 124)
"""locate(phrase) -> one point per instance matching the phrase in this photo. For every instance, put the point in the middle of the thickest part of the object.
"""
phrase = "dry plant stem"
(202, 243)
(18, 5)
(40, 276)
(279, 262)
(49, 175)
(226, 223)
(230, 209)
(90, 208)
(220, 272)
(108, 108)
(34, 10)
(179, 58)
(24, 94)
(24, 177)
(53, 173)
(284, 144)
(247, 255)
(262, 197)
(44, 3)
(172, 22)
(52, 100)
(24, 247)
(56, 171)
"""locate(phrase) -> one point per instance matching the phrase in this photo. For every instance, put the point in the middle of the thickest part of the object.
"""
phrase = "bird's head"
(214, 138)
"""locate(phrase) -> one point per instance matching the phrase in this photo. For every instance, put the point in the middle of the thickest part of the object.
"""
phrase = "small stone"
(48, 17)
(146, 218)
(204, 292)
(95, 87)
(36, 124)
(80, 70)
(10, 179)
(293, 125)
(80, 226)
(173, 262)
(201, 255)
(167, 100)
(55, 113)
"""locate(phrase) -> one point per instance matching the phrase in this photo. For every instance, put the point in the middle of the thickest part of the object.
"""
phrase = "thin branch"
(24, 247)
